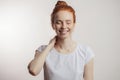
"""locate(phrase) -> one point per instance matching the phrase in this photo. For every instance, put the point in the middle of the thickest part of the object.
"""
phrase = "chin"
(63, 36)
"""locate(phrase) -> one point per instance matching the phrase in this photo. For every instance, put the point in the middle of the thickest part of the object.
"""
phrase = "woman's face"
(63, 24)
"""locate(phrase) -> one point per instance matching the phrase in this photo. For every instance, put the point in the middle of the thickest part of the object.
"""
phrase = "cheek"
(54, 26)
(57, 27)
(71, 26)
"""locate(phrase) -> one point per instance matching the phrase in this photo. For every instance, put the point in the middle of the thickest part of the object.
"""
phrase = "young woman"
(63, 58)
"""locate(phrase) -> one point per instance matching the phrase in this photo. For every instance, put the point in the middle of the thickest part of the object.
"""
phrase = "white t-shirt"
(66, 66)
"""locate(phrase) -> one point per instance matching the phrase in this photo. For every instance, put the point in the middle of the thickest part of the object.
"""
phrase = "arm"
(35, 66)
(89, 70)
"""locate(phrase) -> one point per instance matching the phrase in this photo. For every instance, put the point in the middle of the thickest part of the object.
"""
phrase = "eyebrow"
(58, 20)
(65, 20)
(68, 20)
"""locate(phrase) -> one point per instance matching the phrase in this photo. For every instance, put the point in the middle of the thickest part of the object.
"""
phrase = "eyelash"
(58, 22)
(66, 23)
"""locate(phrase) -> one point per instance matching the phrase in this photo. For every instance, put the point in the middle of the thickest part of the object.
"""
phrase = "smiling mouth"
(63, 32)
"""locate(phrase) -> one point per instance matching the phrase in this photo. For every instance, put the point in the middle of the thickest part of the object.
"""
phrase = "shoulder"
(85, 48)
(86, 52)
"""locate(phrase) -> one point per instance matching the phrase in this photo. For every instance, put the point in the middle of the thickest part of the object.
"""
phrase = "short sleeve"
(41, 48)
(89, 55)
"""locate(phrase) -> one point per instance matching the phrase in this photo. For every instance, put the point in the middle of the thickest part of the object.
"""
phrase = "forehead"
(64, 15)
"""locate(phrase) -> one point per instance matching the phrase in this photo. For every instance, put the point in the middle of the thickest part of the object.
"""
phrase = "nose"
(63, 25)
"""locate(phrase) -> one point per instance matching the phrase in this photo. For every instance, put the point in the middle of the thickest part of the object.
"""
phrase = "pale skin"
(63, 26)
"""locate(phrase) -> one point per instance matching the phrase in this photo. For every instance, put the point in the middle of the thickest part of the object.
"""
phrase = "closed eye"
(58, 22)
(68, 22)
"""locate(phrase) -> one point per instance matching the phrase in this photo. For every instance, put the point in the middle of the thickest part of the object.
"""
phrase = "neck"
(65, 44)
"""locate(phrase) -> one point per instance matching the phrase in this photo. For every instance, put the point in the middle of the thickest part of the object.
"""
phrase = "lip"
(63, 32)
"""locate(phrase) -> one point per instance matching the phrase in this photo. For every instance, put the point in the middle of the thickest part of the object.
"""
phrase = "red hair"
(62, 5)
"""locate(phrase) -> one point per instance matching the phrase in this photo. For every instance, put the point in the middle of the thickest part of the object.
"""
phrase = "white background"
(25, 25)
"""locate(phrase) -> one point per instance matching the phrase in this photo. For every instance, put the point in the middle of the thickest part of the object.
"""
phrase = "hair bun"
(61, 3)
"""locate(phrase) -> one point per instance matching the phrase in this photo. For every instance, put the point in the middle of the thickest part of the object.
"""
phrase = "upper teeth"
(63, 31)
